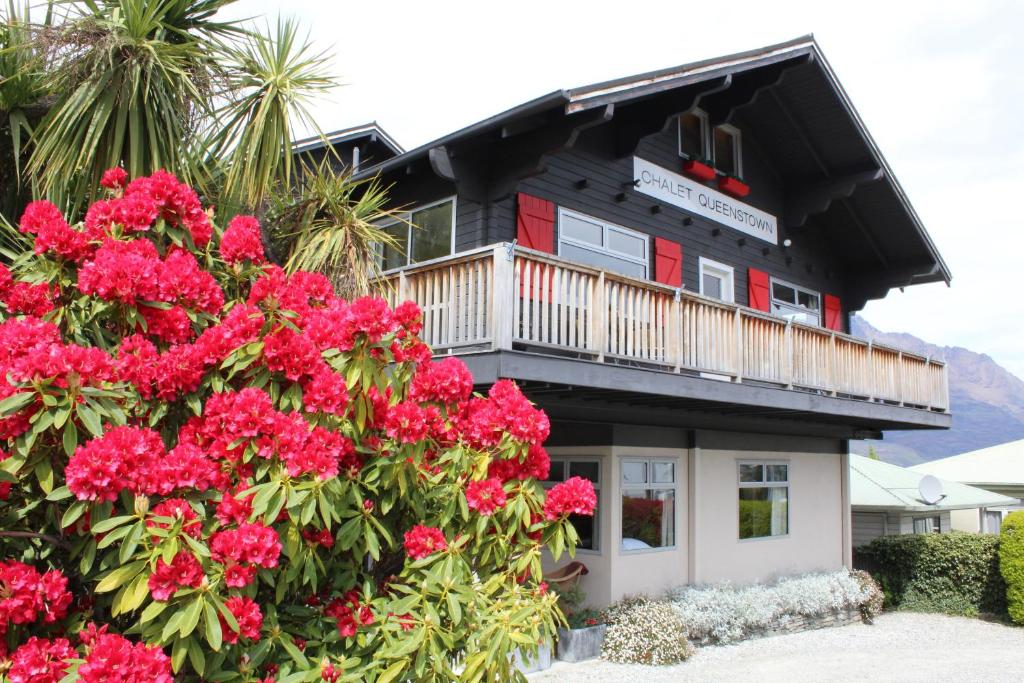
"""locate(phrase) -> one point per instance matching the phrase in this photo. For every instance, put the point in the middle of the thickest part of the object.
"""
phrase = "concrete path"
(898, 647)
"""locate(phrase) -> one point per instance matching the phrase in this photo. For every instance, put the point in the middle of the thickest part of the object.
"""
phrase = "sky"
(940, 86)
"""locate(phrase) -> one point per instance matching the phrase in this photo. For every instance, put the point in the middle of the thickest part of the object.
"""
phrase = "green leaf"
(393, 671)
(213, 632)
(196, 656)
(119, 576)
(152, 611)
(294, 652)
(44, 473)
(191, 618)
(59, 493)
(12, 404)
(70, 438)
(89, 419)
(112, 523)
(74, 511)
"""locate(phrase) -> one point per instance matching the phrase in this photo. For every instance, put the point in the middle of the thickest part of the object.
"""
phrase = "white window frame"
(650, 485)
(794, 308)
(721, 270)
(737, 147)
(547, 484)
(406, 217)
(765, 484)
(705, 134)
(936, 527)
(607, 227)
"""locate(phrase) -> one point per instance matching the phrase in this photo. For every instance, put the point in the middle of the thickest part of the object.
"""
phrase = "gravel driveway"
(898, 647)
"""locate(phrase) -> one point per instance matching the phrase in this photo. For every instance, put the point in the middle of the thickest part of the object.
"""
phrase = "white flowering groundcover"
(724, 613)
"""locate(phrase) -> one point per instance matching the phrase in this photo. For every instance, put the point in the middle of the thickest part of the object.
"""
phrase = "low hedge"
(1011, 563)
(954, 573)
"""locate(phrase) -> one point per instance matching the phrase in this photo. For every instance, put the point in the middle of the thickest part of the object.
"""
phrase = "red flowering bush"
(213, 470)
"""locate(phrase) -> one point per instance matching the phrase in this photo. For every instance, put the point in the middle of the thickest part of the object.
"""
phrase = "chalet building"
(667, 264)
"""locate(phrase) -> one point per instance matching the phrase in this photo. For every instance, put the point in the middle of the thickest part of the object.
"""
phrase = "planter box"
(528, 664)
(578, 644)
(732, 186)
(698, 171)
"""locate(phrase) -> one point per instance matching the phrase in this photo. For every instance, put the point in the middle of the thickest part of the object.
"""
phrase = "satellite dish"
(930, 489)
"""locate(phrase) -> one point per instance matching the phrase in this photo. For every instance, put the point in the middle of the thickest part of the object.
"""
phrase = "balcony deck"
(504, 298)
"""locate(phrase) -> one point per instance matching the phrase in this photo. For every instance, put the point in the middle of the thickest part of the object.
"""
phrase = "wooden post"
(871, 373)
(599, 316)
(503, 296)
(675, 336)
(738, 363)
(833, 362)
(790, 369)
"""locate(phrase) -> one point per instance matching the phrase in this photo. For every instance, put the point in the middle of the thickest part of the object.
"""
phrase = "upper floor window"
(425, 233)
(602, 244)
(796, 303)
(587, 526)
(764, 499)
(728, 159)
(716, 280)
(693, 135)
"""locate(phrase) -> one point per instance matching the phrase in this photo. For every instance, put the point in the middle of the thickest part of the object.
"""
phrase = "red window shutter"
(833, 313)
(759, 290)
(535, 223)
(668, 262)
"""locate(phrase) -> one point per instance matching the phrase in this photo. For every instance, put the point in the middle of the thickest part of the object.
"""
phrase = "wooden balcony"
(505, 297)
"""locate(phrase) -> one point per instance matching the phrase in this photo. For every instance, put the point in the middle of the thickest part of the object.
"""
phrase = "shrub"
(726, 613)
(875, 598)
(1011, 563)
(253, 478)
(954, 573)
(646, 632)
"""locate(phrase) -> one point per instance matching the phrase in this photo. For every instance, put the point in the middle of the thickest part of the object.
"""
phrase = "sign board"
(691, 195)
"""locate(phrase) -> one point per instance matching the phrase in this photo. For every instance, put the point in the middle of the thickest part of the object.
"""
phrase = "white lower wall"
(965, 520)
(707, 547)
(816, 522)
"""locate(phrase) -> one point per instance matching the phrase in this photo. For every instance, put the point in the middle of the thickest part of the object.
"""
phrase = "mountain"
(987, 402)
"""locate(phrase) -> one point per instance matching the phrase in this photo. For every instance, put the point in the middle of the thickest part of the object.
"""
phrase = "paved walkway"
(898, 647)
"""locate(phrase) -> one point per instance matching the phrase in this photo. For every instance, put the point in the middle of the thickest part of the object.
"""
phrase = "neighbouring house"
(999, 469)
(667, 264)
(351, 148)
(888, 500)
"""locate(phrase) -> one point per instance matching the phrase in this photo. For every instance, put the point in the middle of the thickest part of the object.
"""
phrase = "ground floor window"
(927, 525)
(587, 526)
(763, 499)
(993, 521)
(648, 503)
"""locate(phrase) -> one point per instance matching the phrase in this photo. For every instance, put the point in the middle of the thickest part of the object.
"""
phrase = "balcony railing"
(505, 297)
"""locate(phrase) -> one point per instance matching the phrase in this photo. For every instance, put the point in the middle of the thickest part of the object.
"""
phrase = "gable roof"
(1000, 465)
(877, 484)
(371, 131)
(804, 122)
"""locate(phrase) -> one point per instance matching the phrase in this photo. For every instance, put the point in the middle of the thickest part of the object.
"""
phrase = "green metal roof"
(877, 484)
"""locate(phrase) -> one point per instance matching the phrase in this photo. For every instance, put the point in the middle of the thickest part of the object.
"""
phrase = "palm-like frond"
(23, 92)
(134, 78)
(330, 223)
(271, 80)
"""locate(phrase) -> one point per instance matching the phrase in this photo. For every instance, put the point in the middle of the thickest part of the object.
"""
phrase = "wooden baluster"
(599, 319)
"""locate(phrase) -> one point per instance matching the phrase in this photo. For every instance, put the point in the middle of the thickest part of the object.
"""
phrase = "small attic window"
(728, 157)
(693, 135)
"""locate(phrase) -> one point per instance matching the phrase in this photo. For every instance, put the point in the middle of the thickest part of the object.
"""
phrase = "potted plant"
(699, 169)
(732, 185)
(585, 635)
